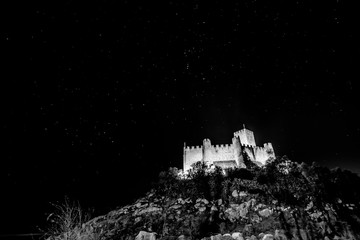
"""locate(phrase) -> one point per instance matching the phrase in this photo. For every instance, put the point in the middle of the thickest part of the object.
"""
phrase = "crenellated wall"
(220, 153)
(229, 155)
(192, 155)
(264, 153)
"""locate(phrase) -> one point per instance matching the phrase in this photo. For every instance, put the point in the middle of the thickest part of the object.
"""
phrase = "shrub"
(66, 222)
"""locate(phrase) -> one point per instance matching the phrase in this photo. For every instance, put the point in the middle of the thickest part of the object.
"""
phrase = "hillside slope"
(283, 200)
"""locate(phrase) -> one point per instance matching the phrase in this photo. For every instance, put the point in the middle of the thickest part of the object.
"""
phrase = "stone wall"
(243, 141)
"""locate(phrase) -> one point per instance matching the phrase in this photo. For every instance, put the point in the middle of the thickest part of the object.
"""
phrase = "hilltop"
(282, 200)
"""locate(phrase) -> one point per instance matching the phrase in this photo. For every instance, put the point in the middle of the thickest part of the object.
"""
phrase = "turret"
(206, 149)
(246, 137)
(237, 151)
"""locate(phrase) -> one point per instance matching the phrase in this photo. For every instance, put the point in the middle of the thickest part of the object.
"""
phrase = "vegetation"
(302, 201)
(67, 221)
(308, 190)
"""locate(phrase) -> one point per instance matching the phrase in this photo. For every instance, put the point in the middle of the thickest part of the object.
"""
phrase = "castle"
(229, 155)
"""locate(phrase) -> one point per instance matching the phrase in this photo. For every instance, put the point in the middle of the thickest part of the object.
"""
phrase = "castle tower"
(206, 150)
(246, 137)
(238, 152)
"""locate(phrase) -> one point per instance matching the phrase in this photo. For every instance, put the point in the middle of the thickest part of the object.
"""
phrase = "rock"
(268, 237)
(303, 234)
(261, 235)
(214, 208)
(202, 209)
(216, 237)
(188, 200)
(176, 206)
(138, 219)
(299, 234)
(235, 194)
(181, 237)
(149, 210)
(206, 202)
(248, 228)
(233, 214)
(253, 237)
(309, 206)
(145, 236)
(237, 236)
(255, 218)
(242, 194)
(243, 210)
(180, 201)
(226, 236)
(316, 215)
(280, 235)
(251, 202)
(258, 206)
(265, 212)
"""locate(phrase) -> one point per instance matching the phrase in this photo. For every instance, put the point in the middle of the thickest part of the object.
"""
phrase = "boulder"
(268, 237)
(202, 209)
(216, 237)
(181, 237)
(265, 212)
(235, 194)
(261, 235)
(226, 236)
(243, 210)
(214, 208)
(145, 236)
(242, 194)
(232, 214)
(237, 236)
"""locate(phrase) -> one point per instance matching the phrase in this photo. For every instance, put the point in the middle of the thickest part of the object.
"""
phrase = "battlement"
(222, 146)
(189, 148)
(228, 154)
(248, 145)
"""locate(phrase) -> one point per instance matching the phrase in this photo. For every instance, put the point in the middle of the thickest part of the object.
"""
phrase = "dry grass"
(66, 223)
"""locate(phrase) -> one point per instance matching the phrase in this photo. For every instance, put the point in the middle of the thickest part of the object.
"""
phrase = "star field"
(103, 95)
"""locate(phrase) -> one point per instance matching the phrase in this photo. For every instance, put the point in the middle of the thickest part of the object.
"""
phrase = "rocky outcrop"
(235, 208)
(155, 217)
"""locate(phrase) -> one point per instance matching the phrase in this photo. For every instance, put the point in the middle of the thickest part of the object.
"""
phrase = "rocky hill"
(283, 200)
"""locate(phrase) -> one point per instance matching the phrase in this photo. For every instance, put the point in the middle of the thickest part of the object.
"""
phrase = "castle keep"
(229, 155)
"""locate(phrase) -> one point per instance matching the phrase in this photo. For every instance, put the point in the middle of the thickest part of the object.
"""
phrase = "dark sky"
(99, 96)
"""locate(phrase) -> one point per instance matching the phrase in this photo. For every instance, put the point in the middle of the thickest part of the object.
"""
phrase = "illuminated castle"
(229, 155)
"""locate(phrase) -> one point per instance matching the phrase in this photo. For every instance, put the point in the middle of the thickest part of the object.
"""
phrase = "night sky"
(98, 97)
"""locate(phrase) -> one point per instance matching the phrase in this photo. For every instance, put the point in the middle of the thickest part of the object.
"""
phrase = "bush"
(66, 222)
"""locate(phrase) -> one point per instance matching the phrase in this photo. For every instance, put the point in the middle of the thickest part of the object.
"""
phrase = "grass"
(67, 223)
